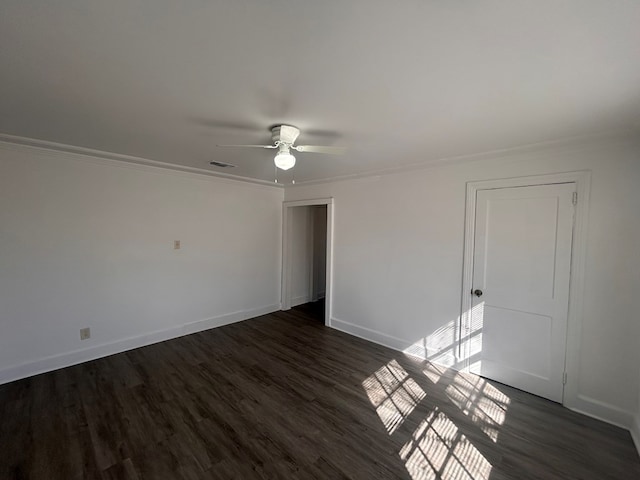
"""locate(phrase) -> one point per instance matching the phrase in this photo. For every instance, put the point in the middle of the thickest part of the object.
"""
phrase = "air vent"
(222, 164)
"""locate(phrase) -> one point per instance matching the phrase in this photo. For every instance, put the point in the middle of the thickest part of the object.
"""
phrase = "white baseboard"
(67, 359)
(371, 335)
(300, 300)
(585, 405)
(635, 431)
(407, 347)
(602, 411)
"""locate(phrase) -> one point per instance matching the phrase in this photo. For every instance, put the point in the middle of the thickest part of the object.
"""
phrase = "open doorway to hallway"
(313, 310)
(307, 234)
(307, 256)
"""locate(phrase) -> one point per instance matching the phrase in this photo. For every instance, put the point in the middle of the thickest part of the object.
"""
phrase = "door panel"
(519, 250)
(522, 258)
(529, 345)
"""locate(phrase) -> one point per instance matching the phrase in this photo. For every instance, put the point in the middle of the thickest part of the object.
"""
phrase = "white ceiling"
(397, 83)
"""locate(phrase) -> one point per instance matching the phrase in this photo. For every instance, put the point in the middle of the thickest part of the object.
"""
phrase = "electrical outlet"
(176, 244)
(85, 333)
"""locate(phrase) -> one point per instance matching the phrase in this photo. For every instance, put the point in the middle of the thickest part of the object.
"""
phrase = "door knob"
(477, 292)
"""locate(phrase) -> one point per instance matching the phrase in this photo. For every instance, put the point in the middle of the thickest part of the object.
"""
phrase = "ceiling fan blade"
(319, 149)
(249, 146)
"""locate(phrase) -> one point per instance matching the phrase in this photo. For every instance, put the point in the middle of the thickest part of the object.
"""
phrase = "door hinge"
(564, 378)
(575, 198)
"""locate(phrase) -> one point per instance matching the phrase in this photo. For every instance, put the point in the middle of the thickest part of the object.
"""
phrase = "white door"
(521, 272)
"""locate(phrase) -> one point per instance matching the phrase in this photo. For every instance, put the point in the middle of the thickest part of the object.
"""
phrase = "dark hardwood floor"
(282, 396)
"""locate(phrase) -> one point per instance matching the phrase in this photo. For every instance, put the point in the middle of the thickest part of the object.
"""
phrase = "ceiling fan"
(284, 137)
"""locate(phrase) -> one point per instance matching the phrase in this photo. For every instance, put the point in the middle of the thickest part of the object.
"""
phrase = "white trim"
(70, 151)
(286, 301)
(586, 406)
(603, 411)
(310, 254)
(526, 152)
(75, 357)
(402, 345)
(635, 431)
(318, 296)
(311, 202)
(371, 335)
(582, 179)
(300, 300)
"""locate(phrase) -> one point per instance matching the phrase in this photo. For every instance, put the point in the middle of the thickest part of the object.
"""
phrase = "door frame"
(582, 180)
(286, 254)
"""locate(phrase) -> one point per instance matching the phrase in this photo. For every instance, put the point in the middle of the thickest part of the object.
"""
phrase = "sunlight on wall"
(480, 401)
(393, 393)
(438, 451)
(438, 347)
(456, 344)
(472, 344)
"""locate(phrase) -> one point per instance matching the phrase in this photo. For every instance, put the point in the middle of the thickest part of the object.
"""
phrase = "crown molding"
(61, 148)
(568, 144)
(539, 149)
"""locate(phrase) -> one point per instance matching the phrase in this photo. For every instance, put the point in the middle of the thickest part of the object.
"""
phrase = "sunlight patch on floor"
(434, 372)
(438, 451)
(480, 401)
(393, 393)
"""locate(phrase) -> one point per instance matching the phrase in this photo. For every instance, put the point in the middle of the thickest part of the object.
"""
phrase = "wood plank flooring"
(282, 396)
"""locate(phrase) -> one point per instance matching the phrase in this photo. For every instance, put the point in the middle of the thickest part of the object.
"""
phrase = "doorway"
(522, 277)
(306, 266)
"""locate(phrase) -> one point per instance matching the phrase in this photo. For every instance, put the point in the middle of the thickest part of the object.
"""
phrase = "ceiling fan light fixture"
(284, 137)
(284, 161)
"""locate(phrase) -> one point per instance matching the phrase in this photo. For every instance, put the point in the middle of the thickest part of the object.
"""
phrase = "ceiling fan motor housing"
(284, 134)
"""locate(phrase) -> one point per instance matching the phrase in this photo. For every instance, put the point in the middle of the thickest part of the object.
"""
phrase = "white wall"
(398, 258)
(319, 252)
(301, 238)
(635, 426)
(89, 243)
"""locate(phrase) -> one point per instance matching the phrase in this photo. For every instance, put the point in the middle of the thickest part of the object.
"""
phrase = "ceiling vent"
(222, 164)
